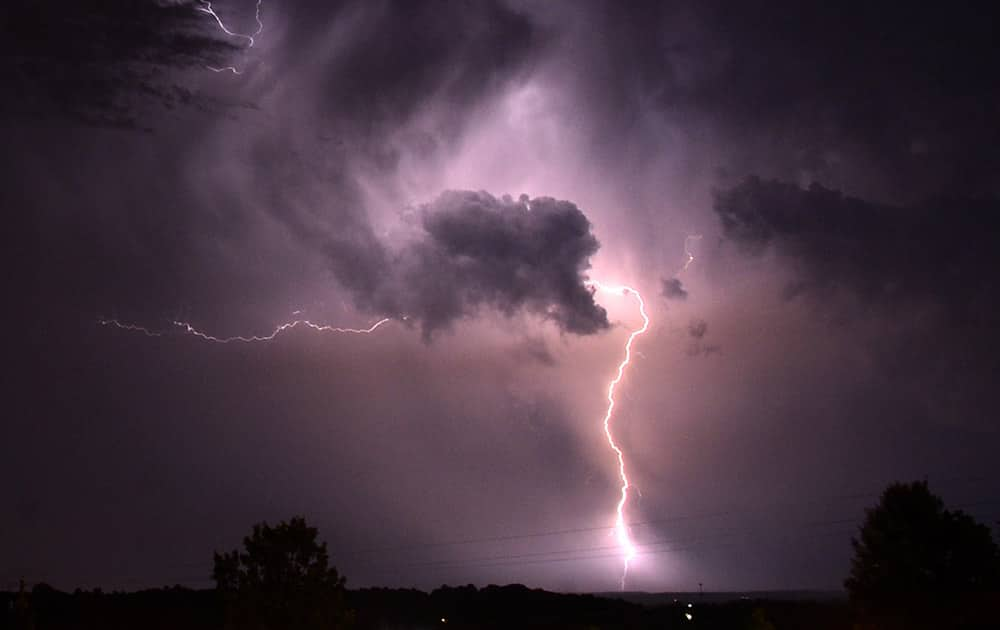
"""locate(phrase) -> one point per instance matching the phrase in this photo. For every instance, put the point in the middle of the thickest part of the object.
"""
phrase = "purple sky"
(835, 330)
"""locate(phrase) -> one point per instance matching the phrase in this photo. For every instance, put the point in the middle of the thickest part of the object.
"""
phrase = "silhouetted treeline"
(465, 607)
(516, 606)
(916, 565)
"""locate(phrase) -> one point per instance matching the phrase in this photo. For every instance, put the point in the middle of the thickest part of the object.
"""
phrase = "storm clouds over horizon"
(465, 169)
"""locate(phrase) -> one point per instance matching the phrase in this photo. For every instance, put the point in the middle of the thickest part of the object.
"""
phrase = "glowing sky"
(834, 331)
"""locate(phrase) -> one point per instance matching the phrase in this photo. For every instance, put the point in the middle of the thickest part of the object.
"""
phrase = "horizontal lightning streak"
(226, 69)
(188, 328)
(130, 327)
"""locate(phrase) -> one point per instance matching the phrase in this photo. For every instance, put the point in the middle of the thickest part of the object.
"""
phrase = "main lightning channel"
(621, 529)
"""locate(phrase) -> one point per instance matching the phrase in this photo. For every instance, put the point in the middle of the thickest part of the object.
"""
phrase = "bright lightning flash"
(621, 529)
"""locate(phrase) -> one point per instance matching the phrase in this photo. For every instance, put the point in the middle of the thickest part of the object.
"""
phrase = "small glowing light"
(688, 616)
(690, 605)
(443, 620)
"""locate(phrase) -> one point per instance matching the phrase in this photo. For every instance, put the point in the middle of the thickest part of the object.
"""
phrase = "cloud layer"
(474, 250)
(942, 251)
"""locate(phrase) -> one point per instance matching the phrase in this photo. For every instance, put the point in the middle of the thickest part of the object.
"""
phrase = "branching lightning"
(206, 8)
(187, 328)
(191, 330)
(621, 529)
(689, 257)
(130, 327)
(225, 69)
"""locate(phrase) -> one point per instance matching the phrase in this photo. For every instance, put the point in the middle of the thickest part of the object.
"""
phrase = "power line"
(517, 560)
(577, 530)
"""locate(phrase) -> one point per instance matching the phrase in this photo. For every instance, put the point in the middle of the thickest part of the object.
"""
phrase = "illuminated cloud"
(473, 250)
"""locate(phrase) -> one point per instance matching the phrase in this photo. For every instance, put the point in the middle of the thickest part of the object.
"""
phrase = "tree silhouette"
(282, 579)
(912, 556)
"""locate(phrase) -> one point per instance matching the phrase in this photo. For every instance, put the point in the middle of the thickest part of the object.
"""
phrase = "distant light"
(443, 620)
(690, 605)
(689, 616)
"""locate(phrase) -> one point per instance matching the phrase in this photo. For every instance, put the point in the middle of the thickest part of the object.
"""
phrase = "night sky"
(806, 195)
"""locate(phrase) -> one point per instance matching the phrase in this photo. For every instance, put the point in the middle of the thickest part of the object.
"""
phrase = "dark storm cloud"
(404, 53)
(915, 286)
(941, 251)
(631, 110)
(673, 289)
(475, 250)
(98, 62)
(102, 65)
(805, 89)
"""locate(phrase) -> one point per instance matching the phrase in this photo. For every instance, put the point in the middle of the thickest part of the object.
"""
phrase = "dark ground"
(468, 607)
(511, 606)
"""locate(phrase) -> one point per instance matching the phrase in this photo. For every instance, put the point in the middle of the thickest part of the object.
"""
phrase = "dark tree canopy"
(911, 551)
(282, 579)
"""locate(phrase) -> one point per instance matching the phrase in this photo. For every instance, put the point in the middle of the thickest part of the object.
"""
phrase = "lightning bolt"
(206, 7)
(191, 330)
(689, 257)
(620, 528)
(187, 328)
(129, 327)
(225, 69)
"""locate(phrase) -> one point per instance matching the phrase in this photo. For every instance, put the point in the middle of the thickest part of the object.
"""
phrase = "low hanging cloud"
(471, 251)
(673, 289)
(698, 328)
